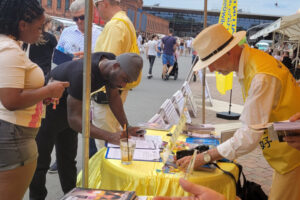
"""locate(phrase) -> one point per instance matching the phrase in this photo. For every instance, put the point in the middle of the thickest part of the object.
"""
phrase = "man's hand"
(293, 141)
(183, 163)
(116, 137)
(199, 192)
(78, 55)
(295, 117)
(135, 131)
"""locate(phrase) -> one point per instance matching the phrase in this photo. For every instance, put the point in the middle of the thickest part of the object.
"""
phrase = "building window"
(67, 5)
(58, 6)
(49, 3)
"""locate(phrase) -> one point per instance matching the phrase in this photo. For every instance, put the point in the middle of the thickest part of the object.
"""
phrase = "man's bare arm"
(74, 107)
(116, 105)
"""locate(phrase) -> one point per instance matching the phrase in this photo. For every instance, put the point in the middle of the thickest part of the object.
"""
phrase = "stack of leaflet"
(203, 134)
(279, 130)
(147, 149)
(171, 115)
(156, 123)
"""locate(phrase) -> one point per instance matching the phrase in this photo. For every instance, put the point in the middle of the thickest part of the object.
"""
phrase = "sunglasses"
(77, 18)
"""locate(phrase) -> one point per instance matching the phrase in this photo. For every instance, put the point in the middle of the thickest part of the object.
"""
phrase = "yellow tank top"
(282, 157)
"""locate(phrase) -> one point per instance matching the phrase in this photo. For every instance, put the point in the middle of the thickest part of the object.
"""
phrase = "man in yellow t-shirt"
(117, 37)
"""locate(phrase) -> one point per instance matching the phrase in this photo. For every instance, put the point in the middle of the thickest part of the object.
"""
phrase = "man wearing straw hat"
(270, 93)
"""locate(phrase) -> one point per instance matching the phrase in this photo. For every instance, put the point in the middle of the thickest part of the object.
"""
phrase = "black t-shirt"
(288, 62)
(42, 54)
(72, 72)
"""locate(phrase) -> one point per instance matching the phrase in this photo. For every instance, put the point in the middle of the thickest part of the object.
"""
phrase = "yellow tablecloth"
(143, 178)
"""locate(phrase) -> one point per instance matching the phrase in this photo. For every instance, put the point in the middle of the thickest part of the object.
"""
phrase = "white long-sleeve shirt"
(263, 96)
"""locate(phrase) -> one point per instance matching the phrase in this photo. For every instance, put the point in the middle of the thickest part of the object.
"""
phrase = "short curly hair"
(13, 11)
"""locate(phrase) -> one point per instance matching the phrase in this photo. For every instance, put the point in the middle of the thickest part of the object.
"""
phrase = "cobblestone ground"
(255, 167)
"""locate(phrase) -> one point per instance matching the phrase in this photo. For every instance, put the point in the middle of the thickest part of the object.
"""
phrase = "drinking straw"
(126, 128)
(190, 168)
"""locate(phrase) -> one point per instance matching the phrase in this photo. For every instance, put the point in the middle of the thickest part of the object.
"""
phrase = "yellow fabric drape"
(143, 177)
(228, 17)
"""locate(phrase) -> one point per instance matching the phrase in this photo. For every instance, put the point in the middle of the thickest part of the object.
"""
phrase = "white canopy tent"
(287, 25)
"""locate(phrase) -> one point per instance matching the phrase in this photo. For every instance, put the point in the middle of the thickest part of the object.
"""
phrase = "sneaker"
(167, 77)
(149, 76)
(53, 168)
(194, 77)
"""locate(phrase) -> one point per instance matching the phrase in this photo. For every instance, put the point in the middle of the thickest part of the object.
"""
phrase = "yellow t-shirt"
(115, 37)
(17, 71)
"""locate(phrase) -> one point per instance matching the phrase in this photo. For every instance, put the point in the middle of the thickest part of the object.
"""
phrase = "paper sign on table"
(139, 154)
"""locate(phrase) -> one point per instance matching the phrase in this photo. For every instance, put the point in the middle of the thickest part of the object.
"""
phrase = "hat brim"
(237, 37)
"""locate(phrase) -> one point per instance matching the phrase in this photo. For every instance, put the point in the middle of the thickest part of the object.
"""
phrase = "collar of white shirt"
(240, 73)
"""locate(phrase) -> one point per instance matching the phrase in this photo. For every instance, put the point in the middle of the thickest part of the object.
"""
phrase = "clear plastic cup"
(127, 150)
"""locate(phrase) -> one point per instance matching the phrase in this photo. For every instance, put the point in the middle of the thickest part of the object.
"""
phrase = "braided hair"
(13, 11)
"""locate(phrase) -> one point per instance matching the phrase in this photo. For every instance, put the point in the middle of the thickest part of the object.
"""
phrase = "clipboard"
(60, 57)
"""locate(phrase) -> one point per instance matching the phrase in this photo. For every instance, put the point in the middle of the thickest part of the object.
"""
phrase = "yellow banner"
(228, 17)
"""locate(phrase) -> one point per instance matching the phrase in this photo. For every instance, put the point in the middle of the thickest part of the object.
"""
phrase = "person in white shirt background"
(139, 41)
(188, 47)
(151, 51)
(71, 40)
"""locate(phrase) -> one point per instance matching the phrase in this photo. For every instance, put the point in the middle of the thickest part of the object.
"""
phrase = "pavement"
(145, 100)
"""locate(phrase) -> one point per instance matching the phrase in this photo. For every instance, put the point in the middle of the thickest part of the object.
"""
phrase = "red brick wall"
(154, 24)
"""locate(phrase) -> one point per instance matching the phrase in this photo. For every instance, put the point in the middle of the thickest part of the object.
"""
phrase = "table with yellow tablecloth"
(143, 177)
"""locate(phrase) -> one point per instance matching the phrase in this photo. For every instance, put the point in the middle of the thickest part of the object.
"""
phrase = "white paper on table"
(139, 154)
(146, 142)
(139, 144)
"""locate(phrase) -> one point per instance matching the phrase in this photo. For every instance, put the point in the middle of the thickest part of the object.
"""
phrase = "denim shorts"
(168, 59)
(17, 145)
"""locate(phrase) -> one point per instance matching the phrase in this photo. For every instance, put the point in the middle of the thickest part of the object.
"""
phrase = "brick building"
(143, 21)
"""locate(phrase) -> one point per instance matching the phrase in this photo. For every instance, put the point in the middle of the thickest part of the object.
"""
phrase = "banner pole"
(86, 93)
(204, 69)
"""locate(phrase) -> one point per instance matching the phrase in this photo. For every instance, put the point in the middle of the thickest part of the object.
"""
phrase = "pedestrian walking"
(151, 51)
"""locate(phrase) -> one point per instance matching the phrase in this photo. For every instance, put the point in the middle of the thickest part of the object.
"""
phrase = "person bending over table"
(270, 93)
(106, 70)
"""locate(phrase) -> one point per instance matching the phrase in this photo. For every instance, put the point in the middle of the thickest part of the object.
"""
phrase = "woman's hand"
(56, 88)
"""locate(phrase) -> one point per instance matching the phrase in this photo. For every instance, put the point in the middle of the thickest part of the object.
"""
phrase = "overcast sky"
(267, 7)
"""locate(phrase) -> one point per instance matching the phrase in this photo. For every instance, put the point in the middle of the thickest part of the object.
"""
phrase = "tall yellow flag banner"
(228, 17)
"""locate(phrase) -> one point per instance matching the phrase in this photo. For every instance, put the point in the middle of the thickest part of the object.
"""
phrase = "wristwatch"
(206, 157)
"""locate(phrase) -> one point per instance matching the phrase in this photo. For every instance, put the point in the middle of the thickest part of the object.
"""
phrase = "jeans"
(55, 130)
(151, 62)
(168, 59)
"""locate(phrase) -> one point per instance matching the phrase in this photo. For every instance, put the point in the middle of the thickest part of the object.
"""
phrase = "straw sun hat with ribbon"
(213, 42)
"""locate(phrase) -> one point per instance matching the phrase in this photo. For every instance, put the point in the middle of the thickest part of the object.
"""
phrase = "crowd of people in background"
(287, 54)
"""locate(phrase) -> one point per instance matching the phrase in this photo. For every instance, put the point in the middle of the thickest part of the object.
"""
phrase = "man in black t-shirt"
(61, 125)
